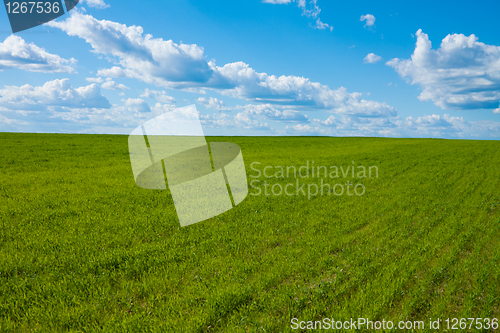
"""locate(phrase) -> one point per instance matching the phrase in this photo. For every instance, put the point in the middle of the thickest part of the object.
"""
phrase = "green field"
(83, 249)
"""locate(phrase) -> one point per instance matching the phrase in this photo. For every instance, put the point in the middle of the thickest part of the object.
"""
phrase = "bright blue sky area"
(461, 81)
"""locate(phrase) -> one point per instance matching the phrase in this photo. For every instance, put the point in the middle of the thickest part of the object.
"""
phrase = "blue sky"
(273, 67)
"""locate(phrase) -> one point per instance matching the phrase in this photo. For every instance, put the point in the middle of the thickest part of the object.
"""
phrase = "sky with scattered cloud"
(263, 67)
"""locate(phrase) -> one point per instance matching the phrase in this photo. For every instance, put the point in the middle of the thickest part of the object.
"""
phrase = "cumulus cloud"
(372, 58)
(299, 91)
(53, 95)
(462, 74)
(95, 3)
(346, 125)
(444, 126)
(120, 118)
(160, 96)
(369, 18)
(301, 130)
(94, 79)
(309, 9)
(212, 103)
(441, 126)
(287, 116)
(180, 66)
(273, 113)
(219, 119)
(51, 117)
(16, 53)
(248, 121)
(149, 59)
(7, 124)
(242, 120)
(254, 117)
(115, 71)
(434, 120)
(112, 85)
(137, 104)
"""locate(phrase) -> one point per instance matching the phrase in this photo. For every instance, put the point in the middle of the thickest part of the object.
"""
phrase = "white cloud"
(308, 130)
(160, 108)
(6, 121)
(219, 119)
(112, 85)
(441, 126)
(273, 113)
(369, 18)
(16, 53)
(119, 118)
(180, 66)
(309, 9)
(112, 72)
(137, 104)
(248, 121)
(95, 3)
(372, 58)
(254, 117)
(212, 103)
(331, 121)
(53, 95)
(94, 79)
(298, 91)
(149, 59)
(287, 116)
(462, 74)
(434, 120)
(346, 125)
(160, 96)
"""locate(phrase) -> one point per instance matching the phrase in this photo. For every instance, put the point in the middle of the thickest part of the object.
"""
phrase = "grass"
(83, 249)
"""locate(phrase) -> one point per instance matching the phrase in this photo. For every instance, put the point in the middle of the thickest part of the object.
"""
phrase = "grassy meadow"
(83, 249)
